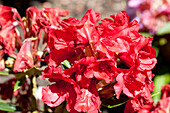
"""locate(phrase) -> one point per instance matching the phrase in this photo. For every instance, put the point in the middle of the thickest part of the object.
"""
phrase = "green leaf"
(66, 63)
(19, 75)
(9, 107)
(19, 83)
(29, 72)
(33, 71)
(111, 103)
(146, 34)
(4, 73)
(164, 30)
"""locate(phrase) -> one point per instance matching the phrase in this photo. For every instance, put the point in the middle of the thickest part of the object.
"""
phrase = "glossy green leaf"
(33, 71)
(19, 75)
(30, 72)
(66, 63)
(9, 107)
(164, 30)
(19, 83)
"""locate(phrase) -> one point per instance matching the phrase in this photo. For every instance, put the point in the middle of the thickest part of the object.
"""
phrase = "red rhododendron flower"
(103, 69)
(147, 58)
(78, 34)
(7, 37)
(69, 85)
(135, 84)
(134, 105)
(142, 52)
(8, 14)
(79, 69)
(85, 29)
(81, 102)
(131, 82)
(117, 36)
(87, 32)
(139, 101)
(65, 88)
(51, 16)
(61, 46)
(55, 94)
(24, 58)
(8, 23)
(88, 100)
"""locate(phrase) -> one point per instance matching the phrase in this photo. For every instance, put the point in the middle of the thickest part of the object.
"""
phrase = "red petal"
(7, 37)
(32, 14)
(103, 69)
(87, 102)
(7, 14)
(24, 58)
(51, 16)
(52, 95)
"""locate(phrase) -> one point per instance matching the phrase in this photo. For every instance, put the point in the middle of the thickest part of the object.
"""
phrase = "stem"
(23, 29)
(35, 46)
(33, 92)
(21, 24)
(19, 41)
(155, 94)
(40, 33)
(40, 38)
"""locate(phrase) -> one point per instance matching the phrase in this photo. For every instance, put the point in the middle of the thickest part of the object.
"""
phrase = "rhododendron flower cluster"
(113, 49)
(110, 53)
